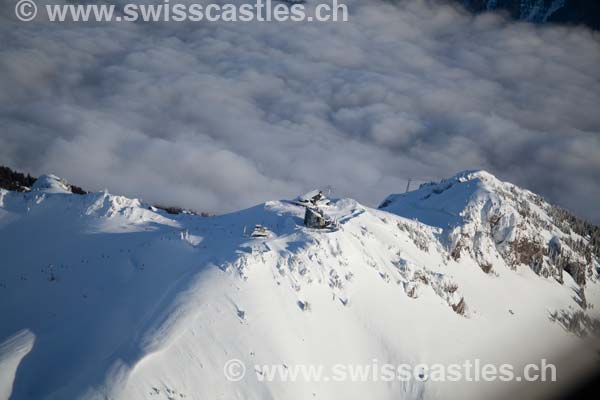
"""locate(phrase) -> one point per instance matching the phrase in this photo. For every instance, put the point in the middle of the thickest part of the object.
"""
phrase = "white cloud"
(218, 116)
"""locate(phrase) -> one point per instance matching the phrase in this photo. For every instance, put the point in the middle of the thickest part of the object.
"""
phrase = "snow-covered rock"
(105, 297)
(51, 184)
(498, 224)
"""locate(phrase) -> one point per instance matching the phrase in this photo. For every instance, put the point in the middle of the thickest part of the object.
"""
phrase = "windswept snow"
(499, 225)
(12, 351)
(106, 297)
(51, 184)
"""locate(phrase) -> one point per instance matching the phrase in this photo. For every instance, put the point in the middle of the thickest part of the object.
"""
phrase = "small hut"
(259, 231)
(313, 198)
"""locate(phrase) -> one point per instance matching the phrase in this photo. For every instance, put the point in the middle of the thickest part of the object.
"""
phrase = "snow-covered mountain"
(499, 225)
(527, 10)
(102, 296)
(573, 12)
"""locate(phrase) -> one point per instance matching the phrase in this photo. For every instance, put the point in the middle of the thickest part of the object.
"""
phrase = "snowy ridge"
(536, 11)
(51, 184)
(108, 297)
(500, 224)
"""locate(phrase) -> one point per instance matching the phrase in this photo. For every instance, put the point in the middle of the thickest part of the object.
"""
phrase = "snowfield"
(105, 297)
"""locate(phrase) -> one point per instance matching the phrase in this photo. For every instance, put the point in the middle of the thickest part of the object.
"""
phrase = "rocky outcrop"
(315, 218)
(494, 222)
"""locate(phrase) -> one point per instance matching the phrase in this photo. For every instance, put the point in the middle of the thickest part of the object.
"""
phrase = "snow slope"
(106, 297)
(500, 225)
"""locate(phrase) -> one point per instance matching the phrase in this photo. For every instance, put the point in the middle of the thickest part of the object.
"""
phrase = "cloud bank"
(220, 116)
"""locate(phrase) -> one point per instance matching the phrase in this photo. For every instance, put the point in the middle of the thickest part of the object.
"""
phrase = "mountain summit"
(108, 297)
(500, 225)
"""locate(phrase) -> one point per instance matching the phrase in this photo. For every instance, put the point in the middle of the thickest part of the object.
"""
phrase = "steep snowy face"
(499, 226)
(102, 296)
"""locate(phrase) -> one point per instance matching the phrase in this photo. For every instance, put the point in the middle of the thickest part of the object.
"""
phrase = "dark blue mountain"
(572, 12)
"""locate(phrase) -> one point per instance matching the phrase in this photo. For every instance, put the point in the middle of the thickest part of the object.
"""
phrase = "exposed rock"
(577, 322)
(461, 307)
(577, 271)
(316, 219)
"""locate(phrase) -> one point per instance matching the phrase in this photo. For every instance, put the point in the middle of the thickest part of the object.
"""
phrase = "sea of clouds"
(220, 116)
